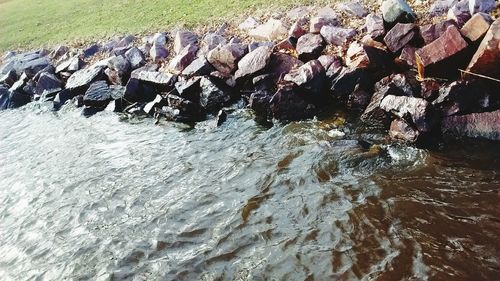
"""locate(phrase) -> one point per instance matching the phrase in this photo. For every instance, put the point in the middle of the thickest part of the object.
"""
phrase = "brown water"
(106, 198)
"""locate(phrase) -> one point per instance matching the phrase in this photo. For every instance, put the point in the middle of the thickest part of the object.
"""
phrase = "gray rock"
(29, 63)
(248, 24)
(198, 67)
(9, 78)
(159, 39)
(84, 77)
(69, 65)
(98, 95)
(375, 26)
(253, 62)
(91, 51)
(394, 11)
(481, 6)
(353, 8)
(59, 51)
(212, 40)
(337, 35)
(310, 46)
(400, 35)
(135, 57)
(158, 53)
(213, 95)
(318, 22)
(272, 30)
(310, 77)
(254, 45)
(414, 110)
(47, 82)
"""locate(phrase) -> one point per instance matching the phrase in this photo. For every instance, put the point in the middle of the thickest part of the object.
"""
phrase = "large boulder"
(135, 57)
(475, 28)
(431, 32)
(47, 82)
(310, 77)
(84, 77)
(394, 11)
(118, 70)
(184, 38)
(475, 125)
(487, 57)
(282, 64)
(481, 6)
(198, 67)
(158, 53)
(70, 65)
(224, 58)
(183, 59)
(272, 30)
(374, 26)
(214, 94)
(441, 55)
(289, 105)
(29, 63)
(310, 46)
(98, 95)
(212, 40)
(253, 62)
(413, 110)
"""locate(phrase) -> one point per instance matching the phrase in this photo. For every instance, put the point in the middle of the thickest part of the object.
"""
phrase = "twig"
(479, 75)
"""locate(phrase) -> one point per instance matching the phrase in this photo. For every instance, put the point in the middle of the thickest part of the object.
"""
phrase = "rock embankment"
(418, 80)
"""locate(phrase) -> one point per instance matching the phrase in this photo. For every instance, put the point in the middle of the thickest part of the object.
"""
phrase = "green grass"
(36, 23)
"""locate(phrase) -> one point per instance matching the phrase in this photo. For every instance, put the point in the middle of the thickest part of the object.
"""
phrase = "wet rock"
(163, 80)
(135, 57)
(459, 12)
(225, 58)
(183, 59)
(98, 95)
(83, 78)
(287, 104)
(158, 102)
(214, 94)
(187, 111)
(158, 53)
(487, 57)
(319, 21)
(221, 117)
(212, 40)
(460, 97)
(439, 52)
(394, 11)
(47, 82)
(337, 35)
(259, 102)
(62, 97)
(476, 125)
(4, 98)
(271, 30)
(475, 28)
(400, 35)
(198, 67)
(183, 39)
(189, 88)
(481, 6)
(310, 77)
(414, 110)
(297, 29)
(253, 62)
(375, 26)
(249, 23)
(353, 9)
(401, 130)
(431, 32)
(310, 46)
(70, 65)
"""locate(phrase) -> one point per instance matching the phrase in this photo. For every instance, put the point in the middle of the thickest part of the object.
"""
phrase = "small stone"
(475, 28)
(297, 29)
(449, 44)
(430, 89)
(401, 130)
(70, 65)
(310, 46)
(337, 35)
(59, 51)
(221, 117)
(399, 36)
(159, 39)
(375, 26)
(135, 57)
(394, 11)
(319, 21)
(431, 32)
(353, 9)
(286, 45)
(183, 59)
(298, 13)
(487, 57)
(198, 67)
(125, 42)
(91, 51)
(476, 125)
(225, 58)
(414, 109)
(253, 62)
(184, 38)
(249, 23)
(271, 30)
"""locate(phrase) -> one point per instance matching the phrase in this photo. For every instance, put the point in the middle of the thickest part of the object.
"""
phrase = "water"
(107, 198)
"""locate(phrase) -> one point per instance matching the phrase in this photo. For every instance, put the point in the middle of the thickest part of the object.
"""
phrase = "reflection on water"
(100, 198)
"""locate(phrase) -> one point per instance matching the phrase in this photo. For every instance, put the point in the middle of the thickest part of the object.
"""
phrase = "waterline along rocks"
(418, 78)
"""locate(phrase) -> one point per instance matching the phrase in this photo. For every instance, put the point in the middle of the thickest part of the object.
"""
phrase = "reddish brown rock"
(224, 58)
(353, 8)
(431, 32)
(430, 89)
(322, 20)
(476, 27)
(183, 59)
(486, 60)
(310, 46)
(297, 29)
(310, 77)
(408, 55)
(282, 63)
(399, 36)
(449, 44)
(475, 125)
(184, 38)
(401, 130)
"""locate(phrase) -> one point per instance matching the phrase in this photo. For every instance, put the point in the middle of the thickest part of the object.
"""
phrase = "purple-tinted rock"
(318, 22)
(254, 45)
(184, 38)
(476, 125)
(408, 55)
(309, 77)
(212, 40)
(214, 95)
(375, 26)
(431, 32)
(481, 6)
(225, 58)
(399, 36)
(310, 46)
(91, 51)
(47, 82)
(98, 95)
(259, 102)
(460, 12)
(198, 67)
(287, 104)
(135, 57)
(282, 64)
(486, 60)
(440, 7)
(401, 130)
(253, 62)
(297, 29)
(475, 28)
(353, 9)
(183, 59)
(84, 77)
(158, 53)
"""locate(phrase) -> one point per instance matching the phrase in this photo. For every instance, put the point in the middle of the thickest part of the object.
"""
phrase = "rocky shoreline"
(418, 81)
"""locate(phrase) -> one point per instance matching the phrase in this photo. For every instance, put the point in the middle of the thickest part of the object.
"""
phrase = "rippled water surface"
(104, 198)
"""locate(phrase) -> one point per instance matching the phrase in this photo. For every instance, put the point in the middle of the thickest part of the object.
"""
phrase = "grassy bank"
(35, 23)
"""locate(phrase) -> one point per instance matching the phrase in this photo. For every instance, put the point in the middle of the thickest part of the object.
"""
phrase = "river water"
(113, 198)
